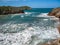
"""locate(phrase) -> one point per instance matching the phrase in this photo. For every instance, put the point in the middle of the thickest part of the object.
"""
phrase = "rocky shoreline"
(5, 10)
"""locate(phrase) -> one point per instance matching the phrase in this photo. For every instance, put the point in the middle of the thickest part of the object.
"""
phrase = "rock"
(58, 27)
(58, 14)
(54, 42)
(4, 10)
(55, 12)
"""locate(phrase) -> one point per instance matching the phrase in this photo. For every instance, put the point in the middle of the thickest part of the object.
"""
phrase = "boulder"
(58, 14)
(54, 42)
(58, 27)
(55, 12)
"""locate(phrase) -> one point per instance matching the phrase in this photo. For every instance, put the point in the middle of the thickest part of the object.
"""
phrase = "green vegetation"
(25, 8)
(12, 10)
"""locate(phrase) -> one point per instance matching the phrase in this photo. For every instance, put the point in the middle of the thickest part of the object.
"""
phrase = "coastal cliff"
(4, 10)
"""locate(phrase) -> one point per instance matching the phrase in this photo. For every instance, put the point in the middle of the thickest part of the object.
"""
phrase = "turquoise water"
(31, 28)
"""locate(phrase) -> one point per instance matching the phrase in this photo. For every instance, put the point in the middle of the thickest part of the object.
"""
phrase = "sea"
(34, 27)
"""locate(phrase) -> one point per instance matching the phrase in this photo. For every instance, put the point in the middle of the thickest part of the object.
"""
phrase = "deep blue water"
(41, 10)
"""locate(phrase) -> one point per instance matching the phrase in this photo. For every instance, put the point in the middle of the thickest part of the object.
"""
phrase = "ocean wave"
(28, 12)
(46, 16)
(29, 36)
(26, 33)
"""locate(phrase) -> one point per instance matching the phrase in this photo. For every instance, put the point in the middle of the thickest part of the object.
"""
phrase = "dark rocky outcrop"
(55, 12)
(4, 10)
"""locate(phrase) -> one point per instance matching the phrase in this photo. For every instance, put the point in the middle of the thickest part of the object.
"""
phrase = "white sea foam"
(46, 15)
(43, 15)
(45, 19)
(28, 36)
(13, 15)
(28, 12)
